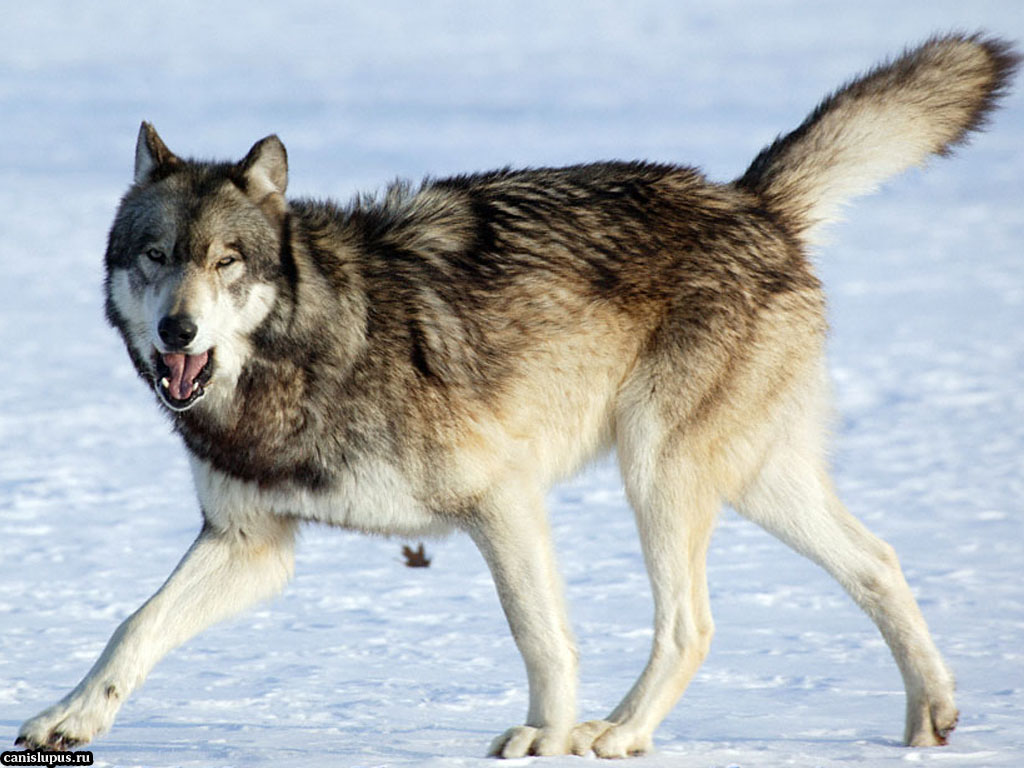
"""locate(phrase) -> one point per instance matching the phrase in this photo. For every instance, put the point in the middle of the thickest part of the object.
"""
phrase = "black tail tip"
(1005, 60)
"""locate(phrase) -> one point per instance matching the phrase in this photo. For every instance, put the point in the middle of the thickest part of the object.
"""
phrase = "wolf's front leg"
(222, 572)
(512, 534)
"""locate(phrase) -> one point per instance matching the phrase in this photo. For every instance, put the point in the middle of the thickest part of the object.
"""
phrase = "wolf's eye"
(156, 256)
(226, 261)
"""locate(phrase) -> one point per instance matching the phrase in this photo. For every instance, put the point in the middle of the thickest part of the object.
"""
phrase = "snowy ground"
(366, 662)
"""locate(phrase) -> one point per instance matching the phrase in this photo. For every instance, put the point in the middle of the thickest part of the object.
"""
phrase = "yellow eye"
(227, 261)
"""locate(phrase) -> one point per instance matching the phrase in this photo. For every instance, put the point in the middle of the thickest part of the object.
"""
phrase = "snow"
(365, 662)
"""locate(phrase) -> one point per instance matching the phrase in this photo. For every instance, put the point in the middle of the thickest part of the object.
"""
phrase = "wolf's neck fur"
(298, 365)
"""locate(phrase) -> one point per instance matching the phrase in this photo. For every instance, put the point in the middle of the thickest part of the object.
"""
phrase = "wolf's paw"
(526, 740)
(70, 722)
(929, 722)
(608, 739)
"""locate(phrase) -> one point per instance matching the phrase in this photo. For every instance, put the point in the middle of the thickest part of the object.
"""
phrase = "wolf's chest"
(371, 496)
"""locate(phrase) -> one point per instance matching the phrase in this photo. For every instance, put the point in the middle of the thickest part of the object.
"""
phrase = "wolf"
(435, 357)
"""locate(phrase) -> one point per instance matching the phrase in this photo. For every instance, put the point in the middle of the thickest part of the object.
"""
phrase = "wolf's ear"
(265, 170)
(150, 153)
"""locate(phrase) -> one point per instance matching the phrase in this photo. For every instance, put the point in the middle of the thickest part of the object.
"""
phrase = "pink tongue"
(184, 369)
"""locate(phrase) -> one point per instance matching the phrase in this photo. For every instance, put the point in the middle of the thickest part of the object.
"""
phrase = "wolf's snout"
(180, 374)
(177, 331)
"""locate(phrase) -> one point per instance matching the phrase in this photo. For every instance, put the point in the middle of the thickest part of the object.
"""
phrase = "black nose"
(177, 331)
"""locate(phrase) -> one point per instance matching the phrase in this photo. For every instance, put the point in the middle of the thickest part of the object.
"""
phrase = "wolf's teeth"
(165, 383)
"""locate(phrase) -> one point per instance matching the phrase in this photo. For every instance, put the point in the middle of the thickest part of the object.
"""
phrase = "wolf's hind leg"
(222, 573)
(793, 499)
(676, 513)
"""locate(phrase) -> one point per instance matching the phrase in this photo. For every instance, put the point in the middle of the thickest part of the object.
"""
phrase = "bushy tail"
(923, 103)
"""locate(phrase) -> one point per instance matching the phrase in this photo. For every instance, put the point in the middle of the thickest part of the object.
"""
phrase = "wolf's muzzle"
(181, 378)
(177, 331)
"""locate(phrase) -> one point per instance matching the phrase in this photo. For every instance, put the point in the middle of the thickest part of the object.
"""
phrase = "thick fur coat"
(436, 358)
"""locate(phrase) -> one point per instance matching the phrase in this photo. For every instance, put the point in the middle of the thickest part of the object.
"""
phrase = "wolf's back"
(895, 116)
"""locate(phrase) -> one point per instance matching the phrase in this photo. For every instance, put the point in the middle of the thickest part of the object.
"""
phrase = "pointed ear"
(150, 153)
(265, 170)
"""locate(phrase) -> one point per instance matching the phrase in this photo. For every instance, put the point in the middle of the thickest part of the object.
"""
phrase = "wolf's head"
(194, 263)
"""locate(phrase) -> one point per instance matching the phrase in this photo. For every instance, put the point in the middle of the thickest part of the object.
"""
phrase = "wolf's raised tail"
(923, 103)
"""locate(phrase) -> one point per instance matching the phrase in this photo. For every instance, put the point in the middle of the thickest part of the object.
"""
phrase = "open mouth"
(181, 378)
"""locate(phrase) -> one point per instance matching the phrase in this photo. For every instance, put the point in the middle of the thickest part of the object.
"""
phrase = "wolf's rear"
(923, 103)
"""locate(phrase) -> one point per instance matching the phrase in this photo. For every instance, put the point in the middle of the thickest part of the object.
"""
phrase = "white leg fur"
(222, 573)
(793, 499)
(513, 536)
(675, 513)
